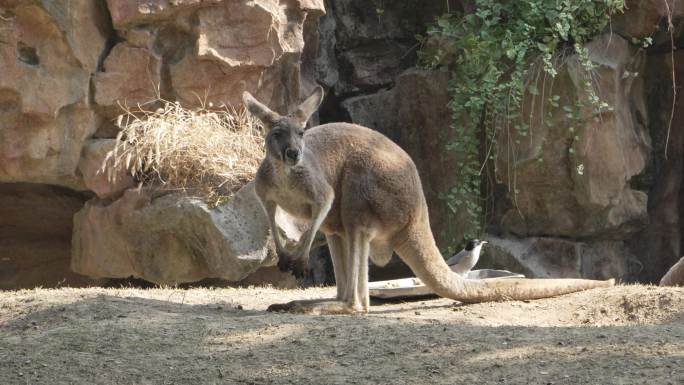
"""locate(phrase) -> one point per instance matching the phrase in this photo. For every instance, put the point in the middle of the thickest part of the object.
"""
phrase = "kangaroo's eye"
(275, 134)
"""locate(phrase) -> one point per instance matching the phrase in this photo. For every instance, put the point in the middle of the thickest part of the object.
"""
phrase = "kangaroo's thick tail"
(421, 254)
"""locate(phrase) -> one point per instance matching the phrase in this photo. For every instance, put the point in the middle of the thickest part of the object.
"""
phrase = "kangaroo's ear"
(258, 109)
(309, 106)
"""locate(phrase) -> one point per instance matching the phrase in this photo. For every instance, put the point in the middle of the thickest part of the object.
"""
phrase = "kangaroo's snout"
(292, 156)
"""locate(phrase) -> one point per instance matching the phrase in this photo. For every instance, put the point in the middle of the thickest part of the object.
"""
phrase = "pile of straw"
(203, 152)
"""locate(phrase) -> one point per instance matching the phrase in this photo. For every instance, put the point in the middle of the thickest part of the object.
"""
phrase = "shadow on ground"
(115, 339)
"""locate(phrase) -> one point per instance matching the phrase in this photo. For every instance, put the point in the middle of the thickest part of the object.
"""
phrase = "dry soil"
(620, 335)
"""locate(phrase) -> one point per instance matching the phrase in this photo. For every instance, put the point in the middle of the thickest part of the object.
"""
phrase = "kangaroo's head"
(285, 139)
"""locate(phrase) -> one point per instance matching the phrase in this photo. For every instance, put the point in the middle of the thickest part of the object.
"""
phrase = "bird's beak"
(483, 242)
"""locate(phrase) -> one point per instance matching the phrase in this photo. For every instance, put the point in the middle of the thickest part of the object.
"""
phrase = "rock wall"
(605, 203)
(67, 66)
(35, 235)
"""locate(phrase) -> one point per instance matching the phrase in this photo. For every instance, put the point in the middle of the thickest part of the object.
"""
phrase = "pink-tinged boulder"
(254, 46)
(316, 7)
(196, 81)
(130, 76)
(84, 25)
(172, 238)
(674, 276)
(126, 13)
(95, 178)
(43, 150)
(240, 34)
(38, 64)
(45, 68)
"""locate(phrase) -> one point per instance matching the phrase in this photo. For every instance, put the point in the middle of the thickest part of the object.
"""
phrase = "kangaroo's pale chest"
(288, 196)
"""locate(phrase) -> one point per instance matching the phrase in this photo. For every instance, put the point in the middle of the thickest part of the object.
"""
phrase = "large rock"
(126, 13)
(243, 34)
(43, 59)
(44, 84)
(646, 18)
(245, 46)
(192, 77)
(171, 239)
(559, 258)
(43, 150)
(364, 45)
(35, 235)
(361, 21)
(416, 116)
(130, 76)
(577, 183)
(374, 64)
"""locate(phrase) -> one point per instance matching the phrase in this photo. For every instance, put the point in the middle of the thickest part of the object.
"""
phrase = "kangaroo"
(364, 193)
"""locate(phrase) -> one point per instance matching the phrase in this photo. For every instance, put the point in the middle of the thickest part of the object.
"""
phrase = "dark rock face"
(35, 235)
(578, 187)
(365, 46)
(659, 245)
(647, 18)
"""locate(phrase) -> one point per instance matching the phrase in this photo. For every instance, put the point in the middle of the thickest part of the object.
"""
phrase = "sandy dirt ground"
(620, 335)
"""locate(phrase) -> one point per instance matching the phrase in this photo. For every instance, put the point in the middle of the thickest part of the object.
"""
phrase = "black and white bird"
(466, 259)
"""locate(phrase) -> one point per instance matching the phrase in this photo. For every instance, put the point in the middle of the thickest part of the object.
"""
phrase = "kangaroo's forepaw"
(299, 268)
(284, 262)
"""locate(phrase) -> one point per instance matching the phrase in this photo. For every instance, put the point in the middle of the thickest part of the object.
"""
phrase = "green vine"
(496, 56)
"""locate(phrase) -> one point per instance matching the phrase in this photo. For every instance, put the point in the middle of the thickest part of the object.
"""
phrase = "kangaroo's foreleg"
(319, 210)
(270, 207)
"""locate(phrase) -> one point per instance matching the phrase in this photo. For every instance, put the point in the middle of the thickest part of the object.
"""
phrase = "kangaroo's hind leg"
(351, 274)
(337, 254)
(358, 246)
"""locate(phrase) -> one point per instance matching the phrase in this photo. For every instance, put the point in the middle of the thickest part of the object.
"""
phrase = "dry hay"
(204, 152)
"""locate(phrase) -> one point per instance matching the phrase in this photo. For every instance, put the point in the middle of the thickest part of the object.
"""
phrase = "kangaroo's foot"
(316, 307)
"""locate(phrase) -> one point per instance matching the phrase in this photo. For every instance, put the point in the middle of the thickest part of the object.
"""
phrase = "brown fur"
(364, 193)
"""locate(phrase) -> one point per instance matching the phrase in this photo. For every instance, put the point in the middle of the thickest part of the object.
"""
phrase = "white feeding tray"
(414, 287)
